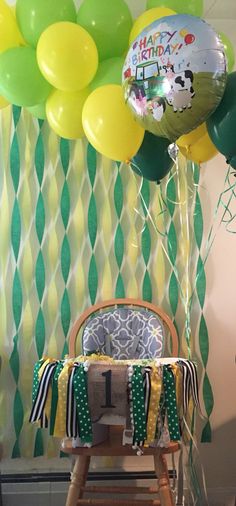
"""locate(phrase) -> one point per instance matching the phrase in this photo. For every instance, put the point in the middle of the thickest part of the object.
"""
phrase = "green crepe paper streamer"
(65, 205)
(120, 289)
(145, 192)
(18, 415)
(119, 245)
(17, 299)
(40, 276)
(40, 218)
(16, 229)
(206, 436)
(14, 360)
(38, 444)
(208, 395)
(146, 244)
(173, 293)
(203, 341)
(201, 282)
(65, 259)
(118, 195)
(172, 243)
(65, 312)
(198, 222)
(65, 350)
(91, 163)
(65, 247)
(65, 155)
(206, 433)
(147, 288)
(93, 279)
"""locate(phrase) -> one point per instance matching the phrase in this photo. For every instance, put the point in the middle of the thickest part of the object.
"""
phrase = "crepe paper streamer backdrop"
(70, 236)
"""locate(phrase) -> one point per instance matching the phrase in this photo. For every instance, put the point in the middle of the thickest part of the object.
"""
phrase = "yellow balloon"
(64, 112)
(3, 102)
(109, 124)
(147, 18)
(10, 35)
(67, 56)
(197, 145)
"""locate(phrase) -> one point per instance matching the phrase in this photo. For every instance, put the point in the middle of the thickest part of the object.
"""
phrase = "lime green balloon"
(109, 72)
(229, 50)
(109, 22)
(21, 81)
(193, 7)
(34, 16)
(38, 111)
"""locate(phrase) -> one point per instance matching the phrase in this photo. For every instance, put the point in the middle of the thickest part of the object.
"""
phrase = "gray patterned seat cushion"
(124, 333)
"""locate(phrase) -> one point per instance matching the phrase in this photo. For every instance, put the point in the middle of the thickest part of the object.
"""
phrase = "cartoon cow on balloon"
(181, 91)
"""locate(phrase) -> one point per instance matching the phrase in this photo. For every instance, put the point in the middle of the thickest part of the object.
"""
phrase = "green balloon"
(38, 111)
(229, 50)
(152, 160)
(221, 125)
(21, 81)
(34, 16)
(109, 72)
(109, 22)
(193, 7)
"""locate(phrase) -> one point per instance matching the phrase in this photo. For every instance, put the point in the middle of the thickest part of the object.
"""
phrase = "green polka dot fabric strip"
(81, 397)
(170, 403)
(138, 404)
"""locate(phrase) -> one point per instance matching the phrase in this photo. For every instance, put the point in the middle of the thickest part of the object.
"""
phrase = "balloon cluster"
(70, 67)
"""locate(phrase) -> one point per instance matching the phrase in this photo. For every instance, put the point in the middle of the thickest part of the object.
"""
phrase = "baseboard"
(53, 491)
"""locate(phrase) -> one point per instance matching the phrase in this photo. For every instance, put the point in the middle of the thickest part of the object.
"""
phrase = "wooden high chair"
(113, 445)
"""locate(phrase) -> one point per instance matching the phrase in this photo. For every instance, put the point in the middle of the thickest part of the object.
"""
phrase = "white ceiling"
(221, 14)
(213, 9)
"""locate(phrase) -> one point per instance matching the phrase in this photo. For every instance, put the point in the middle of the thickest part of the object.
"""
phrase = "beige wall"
(219, 457)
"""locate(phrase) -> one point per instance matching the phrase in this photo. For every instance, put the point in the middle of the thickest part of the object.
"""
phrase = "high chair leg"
(78, 480)
(162, 475)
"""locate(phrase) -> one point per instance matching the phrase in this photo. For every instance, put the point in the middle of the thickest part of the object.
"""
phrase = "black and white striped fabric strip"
(190, 383)
(41, 396)
(147, 389)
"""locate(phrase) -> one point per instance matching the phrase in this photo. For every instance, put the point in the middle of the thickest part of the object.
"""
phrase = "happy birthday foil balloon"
(174, 75)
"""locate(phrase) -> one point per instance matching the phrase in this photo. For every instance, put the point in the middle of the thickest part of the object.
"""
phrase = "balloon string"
(187, 301)
(194, 444)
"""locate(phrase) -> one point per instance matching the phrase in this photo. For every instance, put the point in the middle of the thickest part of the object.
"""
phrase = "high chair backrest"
(124, 329)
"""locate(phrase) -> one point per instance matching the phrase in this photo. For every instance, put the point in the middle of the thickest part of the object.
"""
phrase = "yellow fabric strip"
(156, 385)
(60, 421)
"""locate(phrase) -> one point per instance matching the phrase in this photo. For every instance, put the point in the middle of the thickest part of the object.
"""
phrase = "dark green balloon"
(221, 125)
(152, 160)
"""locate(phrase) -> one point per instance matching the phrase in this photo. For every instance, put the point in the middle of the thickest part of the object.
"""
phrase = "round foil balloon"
(174, 75)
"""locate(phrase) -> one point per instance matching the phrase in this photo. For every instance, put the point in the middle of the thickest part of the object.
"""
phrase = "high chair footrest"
(120, 490)
(118, 502)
